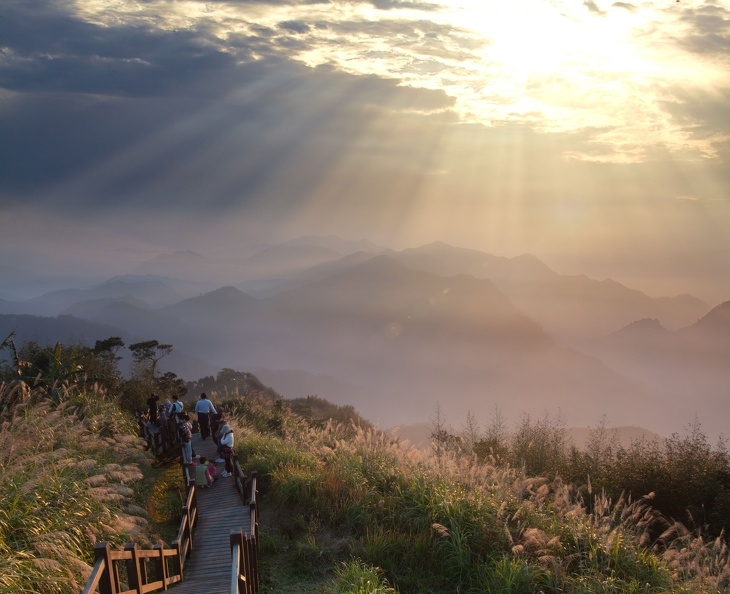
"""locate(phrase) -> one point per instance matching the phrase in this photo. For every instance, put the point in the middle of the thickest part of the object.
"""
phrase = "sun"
(536, 37)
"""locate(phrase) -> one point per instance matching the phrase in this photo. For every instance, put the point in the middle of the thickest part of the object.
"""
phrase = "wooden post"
(107, 583)
(187, 533)
(237, 585)
(178, 562)
(160, 566)
(253, 574)
(134, 573)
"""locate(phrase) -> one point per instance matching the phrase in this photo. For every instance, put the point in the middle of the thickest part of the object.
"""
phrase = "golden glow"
(556, 66)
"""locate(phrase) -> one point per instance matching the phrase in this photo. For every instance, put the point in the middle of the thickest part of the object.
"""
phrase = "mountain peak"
(644, 326)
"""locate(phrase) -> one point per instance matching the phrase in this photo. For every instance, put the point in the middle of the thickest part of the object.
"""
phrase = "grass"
(347, 497)
(344, 509)
(67, 478)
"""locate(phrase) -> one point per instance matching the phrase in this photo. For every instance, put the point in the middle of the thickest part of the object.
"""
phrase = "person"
(152, 407)
(165, 411)
(205, 473)
(204, 408)
(215, 423)
(219, 423)
(186, 438)
(226, 449)
(177, 407)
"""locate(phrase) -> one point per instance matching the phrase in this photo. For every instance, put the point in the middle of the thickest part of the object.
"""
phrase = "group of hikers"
(210, 423)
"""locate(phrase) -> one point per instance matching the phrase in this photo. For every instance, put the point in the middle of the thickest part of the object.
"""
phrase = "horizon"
(32, 283)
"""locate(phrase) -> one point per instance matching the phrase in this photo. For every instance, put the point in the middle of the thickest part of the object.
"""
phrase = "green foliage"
(539, 445)
(689, 479)
(147, 354)
(354, 511)
(164, 503)
(446, 522)
(230, 383)
(320, 411)
(356, 577)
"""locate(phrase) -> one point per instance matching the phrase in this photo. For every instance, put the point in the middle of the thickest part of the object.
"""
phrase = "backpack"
(183, 431)
(176, 409)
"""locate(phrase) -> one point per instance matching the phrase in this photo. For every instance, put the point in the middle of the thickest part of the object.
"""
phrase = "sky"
(592, 134)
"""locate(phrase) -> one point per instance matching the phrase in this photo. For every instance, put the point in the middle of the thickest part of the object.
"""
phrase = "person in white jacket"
(226, 442)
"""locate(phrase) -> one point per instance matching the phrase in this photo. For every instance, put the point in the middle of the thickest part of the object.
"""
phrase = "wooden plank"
(219, 510)
(209, 567)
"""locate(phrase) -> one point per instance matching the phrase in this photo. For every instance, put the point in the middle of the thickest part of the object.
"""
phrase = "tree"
(106, 353)
(442, 438)
(8, 343)
(144, 380)
(540, 446)
(469, 433)
(169, 384)
(47, 365)
(147, 355)
(495, 440)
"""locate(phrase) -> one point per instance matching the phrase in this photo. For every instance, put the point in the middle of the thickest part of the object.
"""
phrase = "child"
(205, 473)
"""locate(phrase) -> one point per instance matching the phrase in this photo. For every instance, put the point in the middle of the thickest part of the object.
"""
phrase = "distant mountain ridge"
(571, 308)
(398, 331)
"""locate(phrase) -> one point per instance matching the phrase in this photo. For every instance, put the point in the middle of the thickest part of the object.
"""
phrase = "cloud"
(49, 51)
(560, 126)
(710, 30)
(295, 26)
(591, 6)
(411, 4)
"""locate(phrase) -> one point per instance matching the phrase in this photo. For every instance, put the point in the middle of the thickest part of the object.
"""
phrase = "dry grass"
(67, 473)
(477, 526)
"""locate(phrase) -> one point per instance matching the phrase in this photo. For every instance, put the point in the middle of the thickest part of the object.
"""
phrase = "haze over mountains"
(395, 332)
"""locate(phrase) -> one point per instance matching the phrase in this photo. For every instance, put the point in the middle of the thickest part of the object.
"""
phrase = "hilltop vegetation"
(345, 508)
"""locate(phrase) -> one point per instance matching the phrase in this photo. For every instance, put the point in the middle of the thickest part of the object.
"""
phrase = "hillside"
(343, 505)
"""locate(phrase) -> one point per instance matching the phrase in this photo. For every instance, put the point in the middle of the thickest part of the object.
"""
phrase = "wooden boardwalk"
(220, 510)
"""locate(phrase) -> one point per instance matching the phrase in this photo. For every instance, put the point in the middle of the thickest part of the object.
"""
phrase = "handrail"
(106, 577)
(244, 557)
(245, 546)
(162, 439)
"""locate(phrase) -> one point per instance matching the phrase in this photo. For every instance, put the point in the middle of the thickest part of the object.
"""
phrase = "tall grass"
(349, 510)
(349, 495)
(67, 472)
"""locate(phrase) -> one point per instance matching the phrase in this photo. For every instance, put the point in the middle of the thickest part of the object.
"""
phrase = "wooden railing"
(128, 571)
(163, 440)
(245, 545)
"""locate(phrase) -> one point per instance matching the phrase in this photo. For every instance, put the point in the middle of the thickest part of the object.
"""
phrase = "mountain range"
(394, 333)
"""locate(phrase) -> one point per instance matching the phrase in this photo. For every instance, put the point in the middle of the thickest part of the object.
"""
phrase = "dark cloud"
(193, 149)
(710, 29)
(48, 51)
(706, 116)
(267, 2)
(295, 26)
(592, 7)
(394, 4)
(440, 41)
